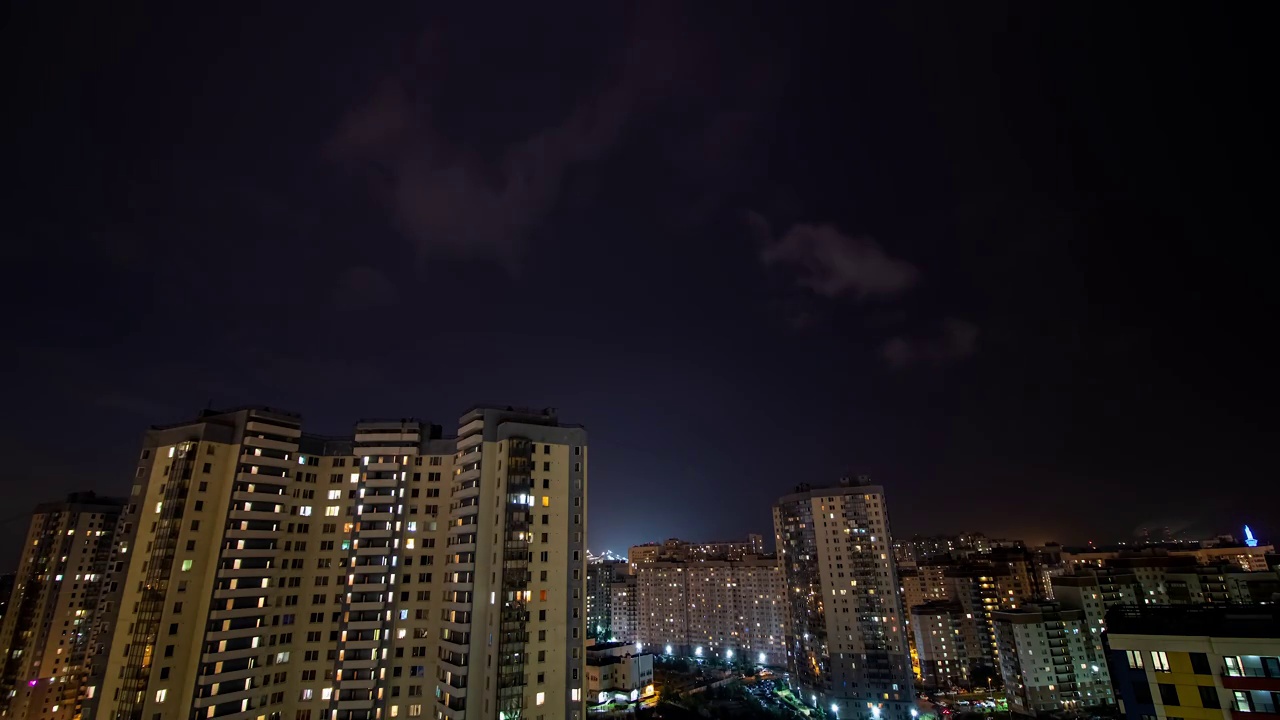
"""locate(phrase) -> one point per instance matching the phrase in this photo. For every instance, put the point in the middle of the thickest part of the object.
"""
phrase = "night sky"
(1009, 260)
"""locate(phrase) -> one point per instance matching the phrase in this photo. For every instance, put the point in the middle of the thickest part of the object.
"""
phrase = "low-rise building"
(618, 672)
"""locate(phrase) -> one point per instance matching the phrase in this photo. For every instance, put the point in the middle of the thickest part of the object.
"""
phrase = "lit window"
(1135, 659)
(542, 698)
(305, 511)
(576, 692)
(355, 477)
(306, 692)
(160, 695)
(326, 693)
(331, 511)
(546, 502)
(335, 494)
(186, 565)
(158, 506)
(1159, 661)
(408, 543)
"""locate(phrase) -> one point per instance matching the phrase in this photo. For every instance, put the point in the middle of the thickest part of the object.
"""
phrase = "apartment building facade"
(1196, 662)
(54, 601)
(941, 643)
(727, 609)
(1051, 659)
(394, 572)
(845, 629)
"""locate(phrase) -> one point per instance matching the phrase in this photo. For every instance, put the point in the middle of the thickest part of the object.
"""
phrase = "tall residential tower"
(845, 630)
(265, 571)
(56, 597)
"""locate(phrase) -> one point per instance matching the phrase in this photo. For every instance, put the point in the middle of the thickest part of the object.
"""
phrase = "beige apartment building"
(725, 609)
(45, 636)
(846, 632)
(263, 571)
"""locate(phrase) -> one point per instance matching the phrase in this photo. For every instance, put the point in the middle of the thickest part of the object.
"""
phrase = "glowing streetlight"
(761, 658)
(835, 708)
(915, 712)
(698, 651)
(639, 646)
(728, 654)
(875, 712)
(668, 649)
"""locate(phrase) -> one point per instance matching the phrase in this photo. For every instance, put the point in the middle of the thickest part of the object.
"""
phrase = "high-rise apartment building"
(266, 571)
(56, 597)
(940, 643)
(1051, 659)
(845, 635)
(601, 575)
(730, 609)
(624, 609)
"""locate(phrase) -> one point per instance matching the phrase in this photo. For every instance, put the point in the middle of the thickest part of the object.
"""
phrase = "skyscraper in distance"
(845, 631)
(56, 597)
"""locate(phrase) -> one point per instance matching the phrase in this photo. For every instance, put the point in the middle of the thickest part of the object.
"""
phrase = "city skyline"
(1003, 273)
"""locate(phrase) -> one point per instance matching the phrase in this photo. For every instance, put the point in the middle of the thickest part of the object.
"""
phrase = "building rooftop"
(1240, 621)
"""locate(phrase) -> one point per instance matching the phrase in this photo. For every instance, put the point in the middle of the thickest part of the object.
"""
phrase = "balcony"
(1252, 679)
(1264, 712)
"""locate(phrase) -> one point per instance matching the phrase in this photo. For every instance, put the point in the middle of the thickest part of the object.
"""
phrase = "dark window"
(168, 651)
(208, 468)
(1200, 665)
(542, 615)
(546, 466)
(546, 519)
(204, 485)
(1168, 694)
(1142, 692)
(1208, 693)
(164, 673)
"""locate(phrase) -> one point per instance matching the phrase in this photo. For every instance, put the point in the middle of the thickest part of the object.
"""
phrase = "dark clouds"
(974, 255)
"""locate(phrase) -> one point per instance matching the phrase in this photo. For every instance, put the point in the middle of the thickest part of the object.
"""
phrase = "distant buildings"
(57, 595)
(1245, 557)
(601, 576)
(1196, 662)
(724, 609)
(677, 550)
(624, 609)
(1051, 659)
(846, 632)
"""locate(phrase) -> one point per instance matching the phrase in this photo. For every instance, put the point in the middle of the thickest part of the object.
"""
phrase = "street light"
(915, 712)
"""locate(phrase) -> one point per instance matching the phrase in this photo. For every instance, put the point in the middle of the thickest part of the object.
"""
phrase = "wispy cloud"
(955, 339)
(833, 264)
(453, 199)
